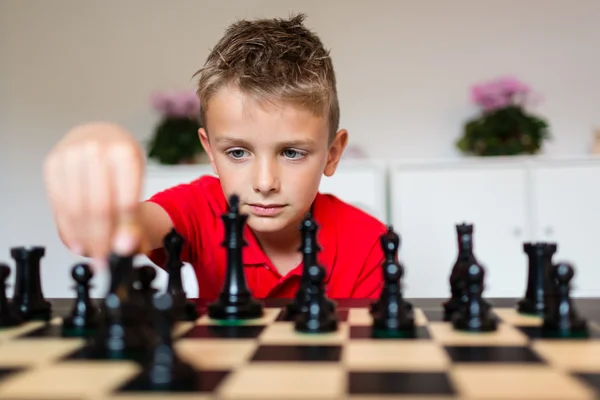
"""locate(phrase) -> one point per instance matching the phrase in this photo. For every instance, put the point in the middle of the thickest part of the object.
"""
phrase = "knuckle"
(124, 151)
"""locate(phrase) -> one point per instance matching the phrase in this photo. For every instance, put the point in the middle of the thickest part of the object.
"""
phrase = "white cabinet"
(427, 201)
(566, 210)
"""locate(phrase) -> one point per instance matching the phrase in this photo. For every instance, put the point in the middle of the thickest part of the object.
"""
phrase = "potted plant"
(504, 127)
(175, 139)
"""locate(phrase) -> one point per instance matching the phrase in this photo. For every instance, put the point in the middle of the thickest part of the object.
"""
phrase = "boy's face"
(271, 155)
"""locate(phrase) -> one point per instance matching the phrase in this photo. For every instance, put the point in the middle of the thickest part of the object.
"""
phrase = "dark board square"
(434, 314)
(535, 332)
(54, 331)
(492, 354)
(7, 372)
(299, 353)
(410, 383)
(91, 352)
(366, 332)
(589, 379)
(341, 314)
(224, 332)
(205, 381)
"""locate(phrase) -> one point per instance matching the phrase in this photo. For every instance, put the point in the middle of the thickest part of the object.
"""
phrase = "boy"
(270, 113)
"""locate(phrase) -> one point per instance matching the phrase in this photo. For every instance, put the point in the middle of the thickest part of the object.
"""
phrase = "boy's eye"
(294, 154)
(236, 153)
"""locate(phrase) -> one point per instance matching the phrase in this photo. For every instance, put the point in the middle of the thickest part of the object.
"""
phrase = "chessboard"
(140, 343)
(265, 358)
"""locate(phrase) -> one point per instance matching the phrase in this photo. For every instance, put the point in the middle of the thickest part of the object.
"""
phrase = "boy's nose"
(266, 177)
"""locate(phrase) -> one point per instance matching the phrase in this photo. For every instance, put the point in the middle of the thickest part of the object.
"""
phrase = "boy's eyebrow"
(239, 141)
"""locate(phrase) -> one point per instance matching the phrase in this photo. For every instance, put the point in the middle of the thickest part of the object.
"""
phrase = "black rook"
(28, 295)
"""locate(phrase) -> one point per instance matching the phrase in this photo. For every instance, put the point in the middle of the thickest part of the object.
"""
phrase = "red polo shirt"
(349, 239)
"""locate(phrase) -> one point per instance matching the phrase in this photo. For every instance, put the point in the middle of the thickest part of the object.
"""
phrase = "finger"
(126, 172)
(99, 203)
(54, 181)
(72, 198)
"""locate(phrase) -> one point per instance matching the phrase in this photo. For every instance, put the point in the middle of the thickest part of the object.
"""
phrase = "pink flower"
(499, 93)
(176, 104)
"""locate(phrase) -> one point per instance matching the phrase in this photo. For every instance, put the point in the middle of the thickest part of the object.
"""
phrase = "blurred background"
(405, 69)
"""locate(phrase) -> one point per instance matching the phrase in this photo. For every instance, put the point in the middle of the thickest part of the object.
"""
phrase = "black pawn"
(464, 236)
(318, 316)
(539, 257)
(392, 315)
(28, 295)
(83, 319)
(166, 370)
(235, 301)
(561, 318)
(474, 315)
(145, 276)
(309, 249)
(184, 310)
(9, 314)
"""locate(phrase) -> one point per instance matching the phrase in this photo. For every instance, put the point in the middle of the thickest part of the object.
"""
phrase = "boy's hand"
(93, 179)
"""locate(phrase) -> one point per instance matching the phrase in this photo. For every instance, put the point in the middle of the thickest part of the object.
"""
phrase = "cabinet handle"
(549, 231)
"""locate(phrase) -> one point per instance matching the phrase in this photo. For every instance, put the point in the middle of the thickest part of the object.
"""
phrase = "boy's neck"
(282, 248)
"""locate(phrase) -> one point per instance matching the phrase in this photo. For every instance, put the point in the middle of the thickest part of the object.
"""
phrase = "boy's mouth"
(265, 209)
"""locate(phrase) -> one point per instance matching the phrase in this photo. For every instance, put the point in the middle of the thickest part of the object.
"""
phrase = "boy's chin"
(267, 224)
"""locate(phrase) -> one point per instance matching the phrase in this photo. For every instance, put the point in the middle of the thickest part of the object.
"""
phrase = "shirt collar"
(324, 215)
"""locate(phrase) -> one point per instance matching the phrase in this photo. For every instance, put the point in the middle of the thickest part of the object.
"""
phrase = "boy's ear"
(336, 149)
(203, 135)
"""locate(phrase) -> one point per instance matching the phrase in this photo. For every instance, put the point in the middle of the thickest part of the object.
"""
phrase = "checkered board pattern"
(266, 359)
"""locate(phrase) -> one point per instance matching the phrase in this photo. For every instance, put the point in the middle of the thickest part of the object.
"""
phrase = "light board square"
(511, 316)
(361, 316)
(20, 353)
(284, 333)
(284, 381)
(570, 355)
(269, 315)
(394, 356)
(517, 382)
(76, 379)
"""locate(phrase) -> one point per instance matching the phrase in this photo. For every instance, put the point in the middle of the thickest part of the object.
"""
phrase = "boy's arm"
(154, 223)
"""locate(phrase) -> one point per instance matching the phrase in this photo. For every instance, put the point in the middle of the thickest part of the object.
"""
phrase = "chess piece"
(561, 319)
(474, 315)
(309, 248)
(145, 276)
(28, 295)
(390, 244)
(166, 369)
(123, 332)
(235, 301)
(83, 319)
(184, 310)
(317, 317)
(464, 233)
(9, 314)
(392, 315)
(539, 261)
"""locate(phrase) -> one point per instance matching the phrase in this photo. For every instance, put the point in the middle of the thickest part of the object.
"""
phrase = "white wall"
(404, 70)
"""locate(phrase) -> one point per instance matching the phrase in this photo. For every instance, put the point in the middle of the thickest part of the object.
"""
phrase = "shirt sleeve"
(370, 280)
(177, 203)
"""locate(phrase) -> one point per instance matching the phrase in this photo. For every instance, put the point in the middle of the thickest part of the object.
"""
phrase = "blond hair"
(273, 59)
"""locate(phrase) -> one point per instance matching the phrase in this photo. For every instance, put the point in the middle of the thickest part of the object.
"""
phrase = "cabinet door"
(566, 210)
(428, 202)
(362, 184)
